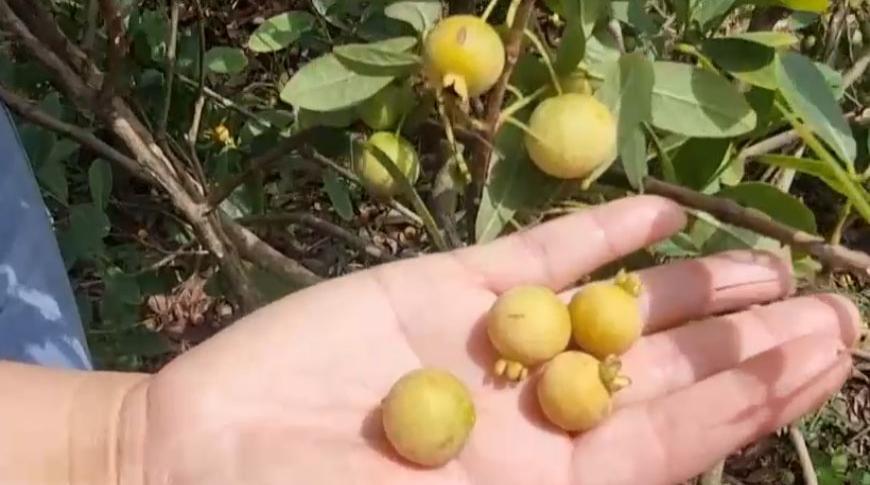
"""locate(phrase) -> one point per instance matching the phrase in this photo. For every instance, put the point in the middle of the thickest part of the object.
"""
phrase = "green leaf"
(815, 168)
(341, 118)
(52, 105)
(806, 91)
(278, 32)
(817, 6)
(100, 182)
(339, 194)
(601, 52)
(38, 143)
(627, 91)
(699, 160)
(226, 60)
(746, 60)
(326, 84)
(52, 175)
(389, 56)
(634, 13)
(698, 103)
(767, 37)
(514, 184)
(62, 151)
(633, 154)
(593, 11)
(707, 13)
(777, 204)
(421, 14)
(571, 48)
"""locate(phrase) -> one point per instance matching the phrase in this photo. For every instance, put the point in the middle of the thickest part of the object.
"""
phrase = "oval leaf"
(391, 53)
(746, 60)
(804, 87)
(280, 31)
(338, 194)
(571, 48)
(767, 37)
(326, 84)
(698, 103)
(421, 14)
(777, 204)
(100, 182)
(817, 6)
(226, 60)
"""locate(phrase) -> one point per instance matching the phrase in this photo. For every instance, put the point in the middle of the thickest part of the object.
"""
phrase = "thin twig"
(277, 153)
(858, 67)
(797, 439)
(731, 212)
(199, 105)
(171, 51)
(835, 31)
(223, 100)
(31, 112)
(322, 225)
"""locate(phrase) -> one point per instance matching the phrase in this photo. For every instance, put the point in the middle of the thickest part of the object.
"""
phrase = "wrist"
(107, 429)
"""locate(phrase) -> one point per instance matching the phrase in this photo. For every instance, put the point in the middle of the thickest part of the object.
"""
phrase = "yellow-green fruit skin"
(383, 110)
(374, 174)
(571, 135)
(428, 416)
(464, 46)
(606, 319)
(571, 393)
(529, 324)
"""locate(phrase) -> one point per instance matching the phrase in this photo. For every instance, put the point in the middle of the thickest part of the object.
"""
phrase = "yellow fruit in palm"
(428, 416)
(465, 53)
(571, 135)
(374, 174)
(575, 390)
(527, 325)
(606, 317)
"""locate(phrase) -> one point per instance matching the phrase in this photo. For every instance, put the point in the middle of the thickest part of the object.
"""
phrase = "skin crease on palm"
(290, 393)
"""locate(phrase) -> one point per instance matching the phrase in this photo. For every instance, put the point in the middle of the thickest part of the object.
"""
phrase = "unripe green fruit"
(383, 110)
(571, 135)
(606, 317)
(428, 416)
(575, 390)
(374, 174)
(527, 325)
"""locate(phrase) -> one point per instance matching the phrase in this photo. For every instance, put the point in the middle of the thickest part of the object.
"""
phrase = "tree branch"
(31, 112)
(171, 48)
(731, 212)
(797, 439)
(322, 225)
(116, 47)
(199, 105)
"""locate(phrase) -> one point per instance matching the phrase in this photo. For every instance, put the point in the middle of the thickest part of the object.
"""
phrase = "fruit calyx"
(513, 370)
(630, 282)
(610, 372)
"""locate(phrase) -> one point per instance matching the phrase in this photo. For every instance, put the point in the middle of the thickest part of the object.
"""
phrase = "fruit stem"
(630, 282)
(539, 46)
(451, 137)
(488, 11)
(519, 104)
(519, 124)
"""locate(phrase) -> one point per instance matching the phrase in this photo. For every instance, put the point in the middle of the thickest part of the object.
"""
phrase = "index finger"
(557, 253)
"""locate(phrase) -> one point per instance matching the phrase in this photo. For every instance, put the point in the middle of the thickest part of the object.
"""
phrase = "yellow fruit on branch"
(428, 416)
(571, 135)
(465, 53)
(527, 325)
(575, 390)
(606, 317)
(374, 174)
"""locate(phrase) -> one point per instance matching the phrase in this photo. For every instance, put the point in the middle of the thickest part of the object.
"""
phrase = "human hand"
(290, 394)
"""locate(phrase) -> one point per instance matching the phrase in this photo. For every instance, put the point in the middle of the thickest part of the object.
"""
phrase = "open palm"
(291, 393)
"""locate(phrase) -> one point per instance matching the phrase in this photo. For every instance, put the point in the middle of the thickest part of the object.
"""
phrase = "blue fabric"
(39, 321)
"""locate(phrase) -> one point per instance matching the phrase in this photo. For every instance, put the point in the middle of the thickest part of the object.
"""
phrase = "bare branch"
(171, 48)
(90, 36)
(731, 212)
(797, 439)
(513, 47)
(116, 47)
(322, 225)
(199, 105)
(788, 137)
(31, 112)
(258, 252)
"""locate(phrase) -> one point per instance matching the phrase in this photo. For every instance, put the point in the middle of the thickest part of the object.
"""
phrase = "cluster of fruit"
(429, 413)
(569, 135)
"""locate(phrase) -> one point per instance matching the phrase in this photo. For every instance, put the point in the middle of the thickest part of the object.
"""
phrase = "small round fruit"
(374, 174)
(428, 416)
(575, 390)
(464, 52)
(571, 135)
(606, 317)
(383, 110)
(527, 325)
